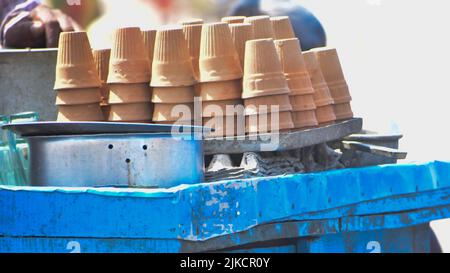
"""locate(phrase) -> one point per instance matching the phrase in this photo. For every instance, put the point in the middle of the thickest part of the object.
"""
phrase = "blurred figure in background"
(29, 23)
(32, 23)
(306, 26)
(83, 14)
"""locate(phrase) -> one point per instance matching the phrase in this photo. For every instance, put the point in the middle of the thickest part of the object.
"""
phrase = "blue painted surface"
(196, 217)
(324, 227)
(323, 235)
(415, 239)
(276, 249)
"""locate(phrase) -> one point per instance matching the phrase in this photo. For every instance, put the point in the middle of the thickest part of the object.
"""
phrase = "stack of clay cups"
(220, 81)
(173, 78)
(77, 83)
(265, 86)
(192, 30)
(101, 59)
(302, 91)
(325, 112)
(332, 71)
(241, 33)
(282, 27)
(233, 19)
(262, 26)
(128, 78)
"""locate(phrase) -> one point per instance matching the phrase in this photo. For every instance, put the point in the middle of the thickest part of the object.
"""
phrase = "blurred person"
(29, 23)
(306, 26)
(84, 13)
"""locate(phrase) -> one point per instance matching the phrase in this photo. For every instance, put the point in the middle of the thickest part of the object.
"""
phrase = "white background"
(396, 56)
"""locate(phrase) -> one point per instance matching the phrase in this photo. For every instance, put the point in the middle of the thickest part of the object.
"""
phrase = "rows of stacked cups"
(77, 83)
(220, 86)
(154, 76)
(265, 89)
(302, 91)
(128, 78)
(241, 32)
(330, 66)
(322, 97)
(173, 78)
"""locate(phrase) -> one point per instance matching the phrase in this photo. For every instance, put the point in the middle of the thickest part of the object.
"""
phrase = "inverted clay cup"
(129, 61)
(241, 33)
(75, 67)
(263, 124)
(173, 112)
(303, 102)
(219, 60)
(322, 95)
(181, 94)
(83, 112)
(149, 37)
(192, 34)
(129, 93)
(305, 119)
(172, 64)
(294, 67)
(233, 19)
(222, 108)
(267, 104)
(262, 26)
(263, 73)
(332, 71)
(343, 111)
(101, 60)
(78, 96)
(282, 27)
(325, 115)
(224, 90)
(131, 112)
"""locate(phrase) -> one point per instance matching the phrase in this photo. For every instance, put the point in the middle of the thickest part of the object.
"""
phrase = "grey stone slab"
(286, 141)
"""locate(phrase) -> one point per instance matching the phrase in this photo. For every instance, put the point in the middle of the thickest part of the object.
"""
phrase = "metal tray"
(94, 128)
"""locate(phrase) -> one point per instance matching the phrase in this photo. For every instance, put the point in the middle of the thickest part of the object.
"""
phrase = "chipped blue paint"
(414, 239)
(196, 217)
(320, 230)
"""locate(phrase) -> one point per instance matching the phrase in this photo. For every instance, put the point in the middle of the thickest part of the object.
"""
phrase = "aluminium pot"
(148, 160)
